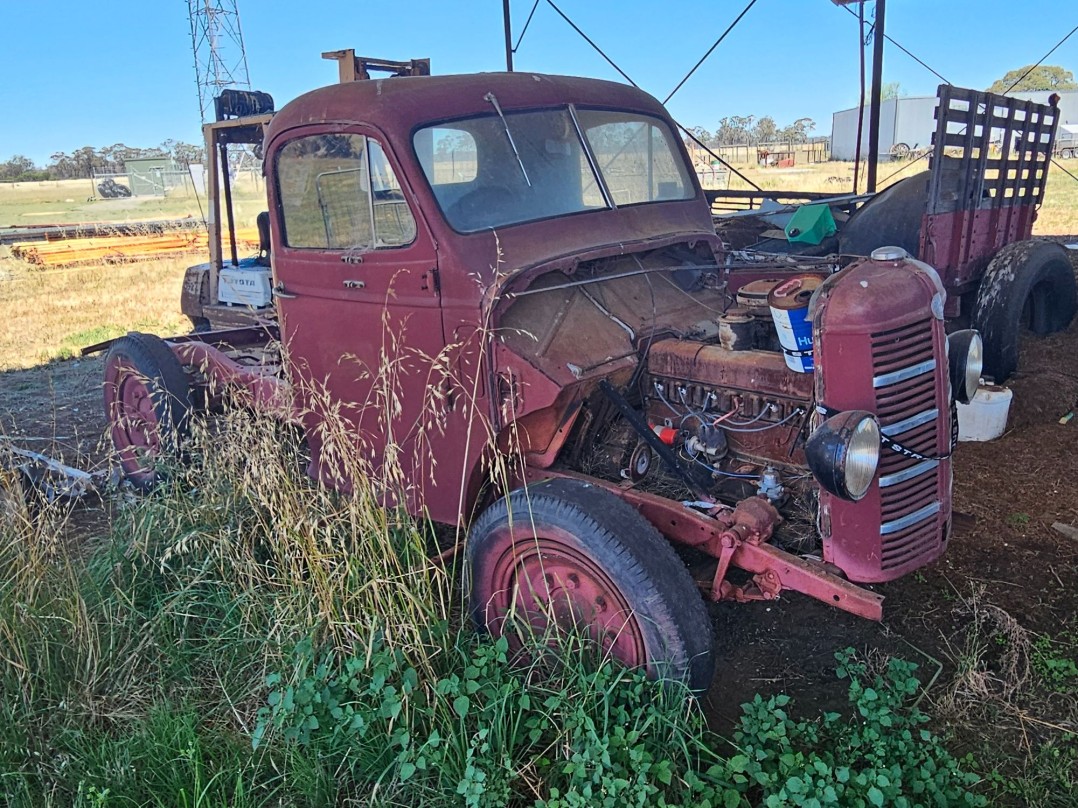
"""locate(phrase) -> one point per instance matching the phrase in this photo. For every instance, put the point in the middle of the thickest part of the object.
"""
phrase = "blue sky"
(98, 73)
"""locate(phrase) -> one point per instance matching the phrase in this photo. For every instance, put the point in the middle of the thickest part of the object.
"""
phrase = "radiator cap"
(889, 254)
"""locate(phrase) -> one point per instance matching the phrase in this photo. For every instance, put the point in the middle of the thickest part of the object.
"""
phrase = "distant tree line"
(741, 130)
(88, 161)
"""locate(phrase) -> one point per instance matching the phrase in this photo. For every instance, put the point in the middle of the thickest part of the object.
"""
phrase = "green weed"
(1055, 660)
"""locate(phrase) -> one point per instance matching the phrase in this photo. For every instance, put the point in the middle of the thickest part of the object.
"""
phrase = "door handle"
(278, 291)
(350, 284)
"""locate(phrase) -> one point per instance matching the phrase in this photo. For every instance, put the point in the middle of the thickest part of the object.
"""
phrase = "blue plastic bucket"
(789, 310)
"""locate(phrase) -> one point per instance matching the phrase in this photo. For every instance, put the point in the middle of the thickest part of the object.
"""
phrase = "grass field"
(72, 201)
(52, 313)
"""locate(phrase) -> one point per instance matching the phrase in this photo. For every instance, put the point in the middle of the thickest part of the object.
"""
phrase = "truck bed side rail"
(990, 158)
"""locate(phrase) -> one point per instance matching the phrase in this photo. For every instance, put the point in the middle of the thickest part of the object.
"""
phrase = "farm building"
(152, 176)
(908, 123)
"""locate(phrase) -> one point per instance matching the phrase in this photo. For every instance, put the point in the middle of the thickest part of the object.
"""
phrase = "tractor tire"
(1027, 283)
(574, 552)
(148, 407)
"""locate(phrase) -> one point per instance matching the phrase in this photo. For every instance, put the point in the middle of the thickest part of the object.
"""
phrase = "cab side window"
(393, 222)
(339, 192)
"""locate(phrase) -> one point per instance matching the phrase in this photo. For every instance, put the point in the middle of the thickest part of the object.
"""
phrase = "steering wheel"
(481, 207)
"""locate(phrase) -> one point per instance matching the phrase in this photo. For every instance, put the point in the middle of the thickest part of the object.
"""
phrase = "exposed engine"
(826, 392)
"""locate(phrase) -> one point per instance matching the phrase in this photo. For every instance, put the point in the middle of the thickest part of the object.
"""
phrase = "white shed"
(906, 121)
(911, 122)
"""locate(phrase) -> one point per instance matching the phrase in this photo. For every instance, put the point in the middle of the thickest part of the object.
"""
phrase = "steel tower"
(220, 57)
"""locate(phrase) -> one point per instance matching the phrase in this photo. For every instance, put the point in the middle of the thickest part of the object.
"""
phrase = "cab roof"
(399, 104)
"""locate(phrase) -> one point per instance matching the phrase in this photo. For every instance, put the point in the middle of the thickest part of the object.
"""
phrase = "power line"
(851, 12)
(588, 39)
(625, 75)
(1034, 67)
(527, 22)
(710, 50)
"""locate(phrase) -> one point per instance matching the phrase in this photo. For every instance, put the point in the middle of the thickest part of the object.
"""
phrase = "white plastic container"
(243, 286)
(985, 417)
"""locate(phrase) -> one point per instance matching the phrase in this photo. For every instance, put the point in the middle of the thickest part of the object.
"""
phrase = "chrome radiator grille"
(905, 379)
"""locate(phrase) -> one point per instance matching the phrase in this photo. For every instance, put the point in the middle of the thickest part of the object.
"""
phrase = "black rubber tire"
(892, 218)
(1027, 283)
(163, 377)
(671, 616)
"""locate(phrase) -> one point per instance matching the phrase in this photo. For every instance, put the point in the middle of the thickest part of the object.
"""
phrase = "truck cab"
(504, 294)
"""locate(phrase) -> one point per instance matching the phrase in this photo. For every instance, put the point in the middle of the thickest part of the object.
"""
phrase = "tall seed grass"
(229, 639)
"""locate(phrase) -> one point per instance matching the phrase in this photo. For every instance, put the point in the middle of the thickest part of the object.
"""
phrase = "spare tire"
(892, 218)
(1027, 284)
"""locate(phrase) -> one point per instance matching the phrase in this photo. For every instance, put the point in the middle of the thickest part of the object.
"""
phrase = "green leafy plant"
(1054, 660)
(568, 732)
(1018, 519)
(883, 756)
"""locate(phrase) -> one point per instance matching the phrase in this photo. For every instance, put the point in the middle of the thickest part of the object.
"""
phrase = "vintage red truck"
(528, 265)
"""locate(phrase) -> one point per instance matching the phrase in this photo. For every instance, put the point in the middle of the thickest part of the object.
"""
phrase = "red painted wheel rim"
(133, 422)
(546, 576)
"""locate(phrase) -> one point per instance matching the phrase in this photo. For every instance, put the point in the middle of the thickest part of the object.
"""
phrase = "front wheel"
(147, 404)
(570, 553)
(1027, 284)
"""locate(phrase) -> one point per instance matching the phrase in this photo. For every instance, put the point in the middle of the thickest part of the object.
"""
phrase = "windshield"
(493, 171)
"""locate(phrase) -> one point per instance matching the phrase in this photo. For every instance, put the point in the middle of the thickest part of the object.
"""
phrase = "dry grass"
(47, 314)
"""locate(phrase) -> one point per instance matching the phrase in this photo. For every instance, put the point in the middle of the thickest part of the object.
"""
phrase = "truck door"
(356, 284)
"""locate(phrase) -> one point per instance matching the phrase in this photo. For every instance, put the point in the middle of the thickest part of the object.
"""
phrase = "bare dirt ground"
(1005, 561)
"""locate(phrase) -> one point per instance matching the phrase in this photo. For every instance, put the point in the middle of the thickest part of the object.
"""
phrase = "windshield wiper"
(497, 107)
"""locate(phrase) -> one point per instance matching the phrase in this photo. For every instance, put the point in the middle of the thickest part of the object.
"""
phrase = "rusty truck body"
(536, 260)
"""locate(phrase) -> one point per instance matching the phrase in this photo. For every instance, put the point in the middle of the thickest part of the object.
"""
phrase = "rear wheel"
(1028, 284)
(570, 553)
(147, 403)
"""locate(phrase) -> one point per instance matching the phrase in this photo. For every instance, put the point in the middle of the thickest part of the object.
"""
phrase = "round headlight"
(965, 357)
(843, 453)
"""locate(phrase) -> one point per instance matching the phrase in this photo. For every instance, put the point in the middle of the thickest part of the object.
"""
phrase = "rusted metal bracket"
(357, 68)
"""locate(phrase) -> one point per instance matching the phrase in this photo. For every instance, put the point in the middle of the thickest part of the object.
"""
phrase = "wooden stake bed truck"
(526, 269)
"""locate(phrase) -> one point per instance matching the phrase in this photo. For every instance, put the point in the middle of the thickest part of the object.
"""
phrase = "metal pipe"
(877, 87)
(508, 37)
(228, 203)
